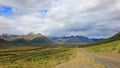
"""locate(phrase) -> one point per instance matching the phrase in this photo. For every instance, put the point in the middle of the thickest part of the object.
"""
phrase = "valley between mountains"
(38, 51)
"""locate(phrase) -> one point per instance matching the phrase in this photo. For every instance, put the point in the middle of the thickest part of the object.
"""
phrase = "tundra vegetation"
(33, 56)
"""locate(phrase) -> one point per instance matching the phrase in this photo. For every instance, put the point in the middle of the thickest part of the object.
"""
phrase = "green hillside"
(111, 39)
(110, 45)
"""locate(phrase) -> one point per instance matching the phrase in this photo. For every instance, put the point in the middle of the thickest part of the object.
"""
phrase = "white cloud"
(92, 18)
(8, 26)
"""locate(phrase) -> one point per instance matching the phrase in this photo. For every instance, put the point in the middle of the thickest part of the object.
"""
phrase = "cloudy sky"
(92, 18)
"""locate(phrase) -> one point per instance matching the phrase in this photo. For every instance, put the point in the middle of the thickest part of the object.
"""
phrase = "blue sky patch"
(5, 10)
(43, 11)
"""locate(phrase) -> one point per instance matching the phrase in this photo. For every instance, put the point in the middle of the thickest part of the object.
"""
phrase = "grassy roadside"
(34, 57)
(112, 47)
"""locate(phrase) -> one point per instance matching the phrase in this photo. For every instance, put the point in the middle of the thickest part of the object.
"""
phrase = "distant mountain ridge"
(75, 39)
(39, 38)
(29, 38)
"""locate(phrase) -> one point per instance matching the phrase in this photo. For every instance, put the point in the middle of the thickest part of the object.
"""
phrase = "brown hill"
(2, 41)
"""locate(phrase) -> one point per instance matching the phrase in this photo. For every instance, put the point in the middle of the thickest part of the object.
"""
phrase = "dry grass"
(33, 56)
(11, 48)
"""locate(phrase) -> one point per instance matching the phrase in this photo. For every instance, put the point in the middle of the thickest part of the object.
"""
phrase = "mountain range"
(30, 38)
(75, 39)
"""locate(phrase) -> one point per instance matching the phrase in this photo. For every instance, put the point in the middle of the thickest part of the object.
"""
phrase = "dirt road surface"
(84, 59)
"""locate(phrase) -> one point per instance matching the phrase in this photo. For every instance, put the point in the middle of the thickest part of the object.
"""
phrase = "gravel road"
(83, 60)
(108, 62)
